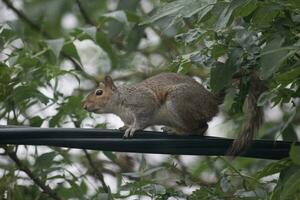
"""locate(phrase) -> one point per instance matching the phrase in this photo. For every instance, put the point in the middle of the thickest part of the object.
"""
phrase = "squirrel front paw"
(129, 132)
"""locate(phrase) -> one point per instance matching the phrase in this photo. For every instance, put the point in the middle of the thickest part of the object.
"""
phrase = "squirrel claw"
(129, 132)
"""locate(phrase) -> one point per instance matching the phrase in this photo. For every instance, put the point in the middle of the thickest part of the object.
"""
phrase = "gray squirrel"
(169, 99)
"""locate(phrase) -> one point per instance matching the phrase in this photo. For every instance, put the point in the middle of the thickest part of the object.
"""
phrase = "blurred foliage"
(46, 45)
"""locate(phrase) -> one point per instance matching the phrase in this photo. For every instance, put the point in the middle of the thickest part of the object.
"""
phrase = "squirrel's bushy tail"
(253, 119)
(249, 129)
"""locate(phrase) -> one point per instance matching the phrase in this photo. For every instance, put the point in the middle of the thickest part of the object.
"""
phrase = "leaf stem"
(40, 53)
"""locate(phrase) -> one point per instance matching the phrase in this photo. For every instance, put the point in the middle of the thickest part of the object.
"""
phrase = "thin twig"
(21, 166)
(97, 173)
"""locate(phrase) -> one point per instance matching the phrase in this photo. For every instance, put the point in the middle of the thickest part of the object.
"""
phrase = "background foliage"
(53, 52)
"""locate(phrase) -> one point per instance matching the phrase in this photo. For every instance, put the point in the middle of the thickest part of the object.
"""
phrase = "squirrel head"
(98, 100)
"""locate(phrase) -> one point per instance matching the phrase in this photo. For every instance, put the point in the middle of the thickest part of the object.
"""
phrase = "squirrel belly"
(167, 99)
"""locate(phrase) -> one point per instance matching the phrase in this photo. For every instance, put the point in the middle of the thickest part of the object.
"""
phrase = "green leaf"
(244, 194)
(151, 171)
(6, 36)
(247, 8)
(118, 15)
(91, 31)
(154, 189)
(72, 107)
(264, 15)
(110, 155)
(181, 8)
(72, 192)
(184, 67)
(5, 88)
(143, 173)
(224, 18)
(289, 187)
(265, 98)
(56, 46)
(83, 187)
(227, 12)
(40, 96)
(204, 11)
(202, 193)
(27, 62)
(271, 62)
(272, 168)
(289, 76)
(221, 74)
(133, 174)
(133, 17)
(102, 40)
(23, 92)
(36, 121)
(17, 26)
(288, 121)
(294, 3)
(165, 10)
(70, 49)
(218, 50)
(133, 38)
(87, 49)
(190, 36)
(289, 134)
(225, 184)
(295, 154)
(45, 160)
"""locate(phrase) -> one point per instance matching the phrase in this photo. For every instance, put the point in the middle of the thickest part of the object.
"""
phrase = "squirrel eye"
(98, 92)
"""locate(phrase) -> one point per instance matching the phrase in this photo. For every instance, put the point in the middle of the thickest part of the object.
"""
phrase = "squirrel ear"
(108, 82)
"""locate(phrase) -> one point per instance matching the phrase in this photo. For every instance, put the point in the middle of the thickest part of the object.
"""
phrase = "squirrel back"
(176, 86)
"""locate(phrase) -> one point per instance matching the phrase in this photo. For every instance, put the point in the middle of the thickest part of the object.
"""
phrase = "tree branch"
(22, 16)
(21, 166)
(37, 28)
(97, 173)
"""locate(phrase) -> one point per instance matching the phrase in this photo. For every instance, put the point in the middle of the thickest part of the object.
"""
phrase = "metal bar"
(142, 142)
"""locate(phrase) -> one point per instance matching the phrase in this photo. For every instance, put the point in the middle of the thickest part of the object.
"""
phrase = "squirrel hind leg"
(184, 131)
(202, 129)
(172, 130)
